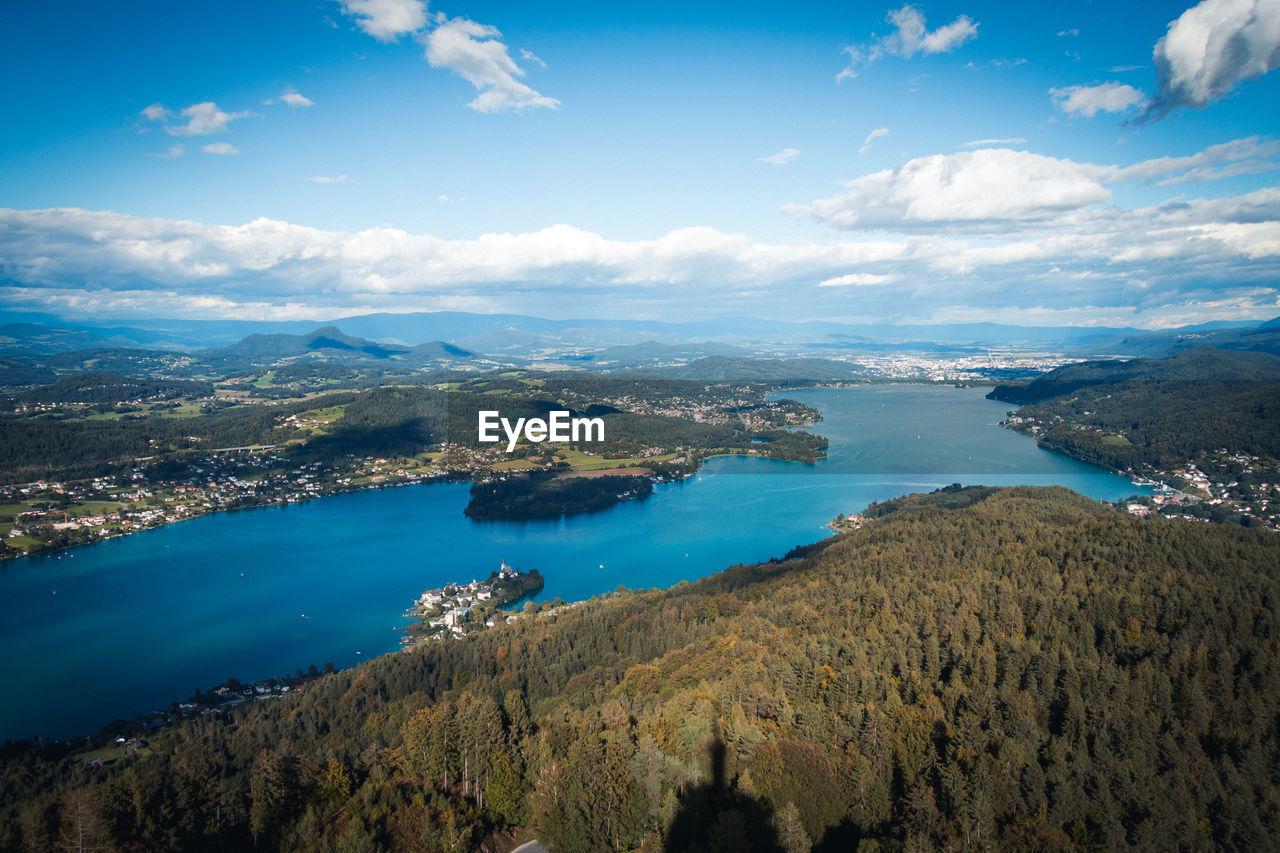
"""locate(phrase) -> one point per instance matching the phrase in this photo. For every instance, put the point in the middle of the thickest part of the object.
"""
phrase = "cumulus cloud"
(473, 51)
(969, 187)
(910, 36)
(290, 97)
(872, 137)
(786, 155)
(476, 53)
(202, 119)
(1211, 49)
(1181, 256)
(1003, 188)
(386, 20)
(155, 112)
(223, 148)
(1088, 100)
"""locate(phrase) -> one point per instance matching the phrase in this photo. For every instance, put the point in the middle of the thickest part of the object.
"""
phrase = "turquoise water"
(143, 620)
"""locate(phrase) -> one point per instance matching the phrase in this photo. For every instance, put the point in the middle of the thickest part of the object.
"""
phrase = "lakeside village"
(1221, 485)
(49, 514)
(1238, 496)
(456, 610)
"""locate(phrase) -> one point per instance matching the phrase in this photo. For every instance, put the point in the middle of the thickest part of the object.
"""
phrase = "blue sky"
(1107, 164)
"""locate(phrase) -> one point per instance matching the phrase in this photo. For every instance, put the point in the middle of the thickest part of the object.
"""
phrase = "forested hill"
(1201, 365)
(1204, 410)
(1019, 668)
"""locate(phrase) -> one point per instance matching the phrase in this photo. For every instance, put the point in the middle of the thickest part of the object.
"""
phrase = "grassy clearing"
(580, 461)
(607, 472)
(190, 410)
(1118, 440)
(93, 508)
(110, 753)
(514, 465)
(329, 414)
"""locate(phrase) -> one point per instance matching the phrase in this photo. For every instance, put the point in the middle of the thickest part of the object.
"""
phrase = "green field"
(190, 410)
(580, 461)
(110, 753)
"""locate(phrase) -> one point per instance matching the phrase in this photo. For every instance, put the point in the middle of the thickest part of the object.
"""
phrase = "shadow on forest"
(717, 818)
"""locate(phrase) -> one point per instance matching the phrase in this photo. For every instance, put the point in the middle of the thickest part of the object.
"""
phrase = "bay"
(126, 626)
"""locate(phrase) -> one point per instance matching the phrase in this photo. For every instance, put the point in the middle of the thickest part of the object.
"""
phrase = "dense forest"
(1149, 413)
(543, 494)
(1020, 668)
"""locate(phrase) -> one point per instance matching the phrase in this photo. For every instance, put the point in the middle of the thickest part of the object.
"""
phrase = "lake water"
(140, 621)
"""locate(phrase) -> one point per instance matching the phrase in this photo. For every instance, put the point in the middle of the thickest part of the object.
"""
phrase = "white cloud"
(786, 155)
(1211, 49)
(859, 279)
(872, 137)
(999, 189)
(969, 187)
(174, 152)
(1184, 257)
(446, 199)
(990, 143)
(292, 98)
(1068, 33)
(204, 119)
(155, 112)
(223, 148)
(909, 37)
(325, 179)
(1088, 100)
(387, 20)
(1247, 156)
(530, 56)
(475, 53)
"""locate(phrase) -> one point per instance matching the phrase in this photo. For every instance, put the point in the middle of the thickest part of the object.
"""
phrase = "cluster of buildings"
(447, 611)
(61, 514)
(1221, 485)
(751, 413)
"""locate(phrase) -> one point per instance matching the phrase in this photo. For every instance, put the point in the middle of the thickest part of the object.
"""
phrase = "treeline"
(1028, 670)
(111, 388)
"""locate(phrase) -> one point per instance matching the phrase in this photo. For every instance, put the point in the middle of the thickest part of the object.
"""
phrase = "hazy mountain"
(516, 335)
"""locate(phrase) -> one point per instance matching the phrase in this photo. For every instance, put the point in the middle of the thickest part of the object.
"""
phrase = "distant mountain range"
(450, 338)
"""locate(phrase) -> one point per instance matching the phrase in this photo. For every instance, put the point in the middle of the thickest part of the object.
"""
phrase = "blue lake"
(140, 621)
